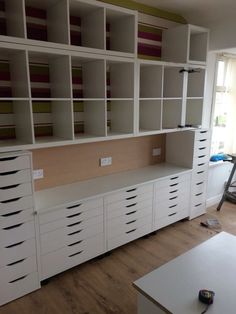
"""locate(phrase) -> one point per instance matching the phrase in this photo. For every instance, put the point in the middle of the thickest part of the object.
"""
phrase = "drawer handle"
(173, 198)
(198, 205)
(76, 253)
(201, 148)
(172, 214)
(131, 190)
(8, 158)
(10, 187)
(11, 200)
(198, 194)
(75, 232)
(203, 140)
(199, 165)
(202, 156)
(199, 183)
(175, 184)
(174, 178)
(8, 173)
(18, 279)
(18, 262)
(75, 215)
(134, 204)
(199, 172)
(14, 245)
(12, 214)
(74, 206)
(131, 198)
(127, 232)
(75, 224)
(131, 222)
(174, 191)
(172, 206)
(13, 227)
(78, 242)
(202, 132)
(130, 213)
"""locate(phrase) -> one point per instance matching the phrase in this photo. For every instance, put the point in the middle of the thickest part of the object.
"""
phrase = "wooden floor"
(105, 285)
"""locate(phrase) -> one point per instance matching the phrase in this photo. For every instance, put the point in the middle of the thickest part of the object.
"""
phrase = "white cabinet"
(18, 254)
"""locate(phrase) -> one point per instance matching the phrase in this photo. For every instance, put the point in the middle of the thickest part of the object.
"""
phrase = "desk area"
(173, 288)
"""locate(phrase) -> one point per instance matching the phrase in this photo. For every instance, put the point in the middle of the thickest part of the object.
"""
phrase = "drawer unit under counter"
(173, 181)
(14, 162)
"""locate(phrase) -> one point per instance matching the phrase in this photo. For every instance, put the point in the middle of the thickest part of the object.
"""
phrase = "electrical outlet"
(156, 152)
(38, 174)
(106, 161)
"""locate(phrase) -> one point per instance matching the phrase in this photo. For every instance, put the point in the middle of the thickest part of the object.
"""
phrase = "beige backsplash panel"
(67, 164)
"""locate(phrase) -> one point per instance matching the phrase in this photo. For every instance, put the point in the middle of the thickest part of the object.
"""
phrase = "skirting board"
(213, 200)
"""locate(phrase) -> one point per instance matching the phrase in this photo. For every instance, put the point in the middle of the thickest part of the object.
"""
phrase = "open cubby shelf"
(172, 114)
(173, 82)
(196, 83)
(194, 112)
(150, 115)
(151, 77)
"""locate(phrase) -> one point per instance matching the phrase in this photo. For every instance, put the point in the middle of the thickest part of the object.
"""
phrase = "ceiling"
(201, 12)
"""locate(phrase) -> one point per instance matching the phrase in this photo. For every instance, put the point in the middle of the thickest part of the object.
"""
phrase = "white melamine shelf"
(172, 113)
(196, 83)
(49, 139)
(150, 115)
(194, 111)
(51, 198)
(151, 81)
(173, 82)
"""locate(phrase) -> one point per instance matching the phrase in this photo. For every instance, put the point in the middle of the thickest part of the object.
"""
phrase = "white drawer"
(199, 187)
(128, 193)
(14, 163)
(18, 251)
(59, 238)
(125, 228)
(201, 159)
(127, 237)
(171, 207)
(19, 268)
(126, 210)
(201, 167)
(202, 135)
(15, 191)
(198, 198)
(199, 176)
(176, 179)
(14, 204)
(15, 177)
(130, 201)
(201, 148)
(15, 218)
(58, 261)
(172, 191)
(20, 287)
(84, 220)
(163, 222)
(197, 210)
(17, 233)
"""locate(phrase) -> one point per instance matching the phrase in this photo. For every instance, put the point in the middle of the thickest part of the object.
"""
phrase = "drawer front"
(127, 237)
(202, 135)
(172, 191)
(15, 204)
(199, 176)
(198, 198)
(129, 201)
(129, 209)
(201, 167)
(17, 217)
(197, 210)
(80, 221)
(59, 238)
(171, 207)
(18, 269)
(16, 252)
(15, 191)
(176, 179)
(69, 215)
(128, 193)
(20, 287)
(14, 163)
(201, 149)
(199, 188)
(17, 233)
(127, 228)
(15, 177)
(60, 260)
(163, 222)
(201, 159)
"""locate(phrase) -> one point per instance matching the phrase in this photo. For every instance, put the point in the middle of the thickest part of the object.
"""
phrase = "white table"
(173, 288)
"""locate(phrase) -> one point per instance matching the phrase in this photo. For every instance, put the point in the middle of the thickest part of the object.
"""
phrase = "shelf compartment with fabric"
(150, 81)
(12, 18)
(87, 24)
(52, 120)
(88, 78)
(120, 117)
(172, 113)
(150, 115)
(89, 119)
(47, 20)
(121, 30)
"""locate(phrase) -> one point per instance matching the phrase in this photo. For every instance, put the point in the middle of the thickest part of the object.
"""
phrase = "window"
(224, 116)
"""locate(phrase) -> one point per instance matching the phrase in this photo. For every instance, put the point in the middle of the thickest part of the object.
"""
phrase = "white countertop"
(211, 265)
(65, 194)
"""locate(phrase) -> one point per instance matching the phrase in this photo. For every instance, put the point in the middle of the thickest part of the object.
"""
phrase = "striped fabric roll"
(5, 79)
(36, 23)
(42, 115)
(40, 80)
(77, 81)
(78, 117)
(75, 31)
(3, 24)
(149, 42)
(7, 124)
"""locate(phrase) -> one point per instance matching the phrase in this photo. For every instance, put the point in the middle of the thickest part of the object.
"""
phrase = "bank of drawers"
(171, 200)
(18, 261)
(200, 173)
(71, 235)
(129, 214)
